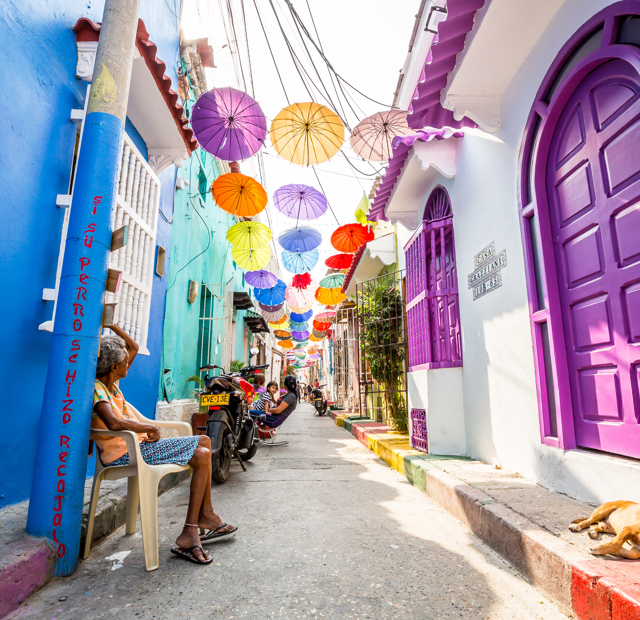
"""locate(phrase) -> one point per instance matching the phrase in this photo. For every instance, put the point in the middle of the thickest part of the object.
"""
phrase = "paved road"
(327, 530)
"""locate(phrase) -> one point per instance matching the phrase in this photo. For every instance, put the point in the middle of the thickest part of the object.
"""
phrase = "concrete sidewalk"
(525, 523)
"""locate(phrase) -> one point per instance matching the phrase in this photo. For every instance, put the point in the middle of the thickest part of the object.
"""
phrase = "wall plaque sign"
(487, 274)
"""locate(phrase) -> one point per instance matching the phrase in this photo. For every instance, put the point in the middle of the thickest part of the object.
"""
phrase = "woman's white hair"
(112, 351)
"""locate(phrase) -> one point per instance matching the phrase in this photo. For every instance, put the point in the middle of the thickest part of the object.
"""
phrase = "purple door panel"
(593, 187)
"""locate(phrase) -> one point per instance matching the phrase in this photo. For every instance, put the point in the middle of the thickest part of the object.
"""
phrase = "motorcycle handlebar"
(247, 369)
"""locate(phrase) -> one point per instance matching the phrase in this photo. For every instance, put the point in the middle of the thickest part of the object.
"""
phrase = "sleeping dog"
(619, 518)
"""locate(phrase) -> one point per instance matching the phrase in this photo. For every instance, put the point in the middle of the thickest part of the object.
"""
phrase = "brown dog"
(619, 518)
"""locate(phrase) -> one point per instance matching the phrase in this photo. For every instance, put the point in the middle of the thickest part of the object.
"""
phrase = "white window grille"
(137, 207)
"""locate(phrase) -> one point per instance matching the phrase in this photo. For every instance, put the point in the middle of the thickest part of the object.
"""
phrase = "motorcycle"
(319, 401)
(229, 427)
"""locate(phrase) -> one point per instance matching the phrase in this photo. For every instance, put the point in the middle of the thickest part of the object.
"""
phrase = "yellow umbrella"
(249, 235)
(330, 296)
(314, 338)
(251, 260)
(284, 319)
(239, 194)
(307, 133)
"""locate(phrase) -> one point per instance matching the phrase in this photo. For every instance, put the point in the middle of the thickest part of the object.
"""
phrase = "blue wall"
(36, 148)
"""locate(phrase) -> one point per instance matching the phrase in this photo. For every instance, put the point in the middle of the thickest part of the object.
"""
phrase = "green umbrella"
(333, 281)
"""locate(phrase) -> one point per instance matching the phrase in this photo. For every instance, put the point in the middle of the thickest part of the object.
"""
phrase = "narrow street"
(326, 530)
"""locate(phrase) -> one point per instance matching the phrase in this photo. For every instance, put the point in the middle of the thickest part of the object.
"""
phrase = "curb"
(26, 565)
(592, 589)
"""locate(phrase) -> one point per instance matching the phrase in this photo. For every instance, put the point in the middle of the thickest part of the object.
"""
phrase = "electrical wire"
(325, 195)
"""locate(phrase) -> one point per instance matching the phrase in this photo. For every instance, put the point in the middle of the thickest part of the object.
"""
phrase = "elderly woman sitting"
(110, 412)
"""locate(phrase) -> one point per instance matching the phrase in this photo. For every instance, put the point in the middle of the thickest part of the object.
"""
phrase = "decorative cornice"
(86, 59)
(440, 155)
(162, 158)
(485, 111)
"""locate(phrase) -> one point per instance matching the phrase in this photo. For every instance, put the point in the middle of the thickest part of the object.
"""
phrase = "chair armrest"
(130, 438)
(184, 429)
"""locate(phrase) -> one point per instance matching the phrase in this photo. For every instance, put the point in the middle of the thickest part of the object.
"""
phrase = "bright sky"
(366, 41)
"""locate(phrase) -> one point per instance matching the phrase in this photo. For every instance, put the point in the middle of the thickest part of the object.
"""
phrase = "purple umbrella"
(271, 308)
(260, 279)
(303, 239)
(300, 335)
(229, 124)
(300, 202)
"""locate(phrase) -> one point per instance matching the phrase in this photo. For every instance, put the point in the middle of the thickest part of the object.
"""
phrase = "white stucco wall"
(500, 400)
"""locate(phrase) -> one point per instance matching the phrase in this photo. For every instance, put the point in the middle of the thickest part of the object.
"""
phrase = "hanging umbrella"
(301, 309)
(350, 237)
(281, 333)
(285, 344)
(251, 259)
(321, 326)
(333, 281)
(300, 335)
(301, 355)
(330, 296)
(312, 350)
(318, 334)
(279, 321)
(315, 356)
(283, 337)
(307, 133)
(339, 261)
(300, 345)
(260, 278)
(228, 124)
(273, 317)
(299, 327)
(249, 235)
(300, 202)
(327, 314)
(271, 296)
(372, 137)
(303, 239)
(271, 308)
(313, 338)
(301, 318)
(299, 297)
(301, 280)
(300, 340)
(300, 262)
(239, 194)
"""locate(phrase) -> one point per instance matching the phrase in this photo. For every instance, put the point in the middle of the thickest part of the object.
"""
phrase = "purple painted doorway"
(593, 195)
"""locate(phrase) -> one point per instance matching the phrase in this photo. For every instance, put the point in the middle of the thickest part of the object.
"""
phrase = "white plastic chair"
(142, 486)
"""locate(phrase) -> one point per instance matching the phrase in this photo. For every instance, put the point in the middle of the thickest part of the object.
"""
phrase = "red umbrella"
(339, 261)
(321, 326)
(301, 280)
(350, 237)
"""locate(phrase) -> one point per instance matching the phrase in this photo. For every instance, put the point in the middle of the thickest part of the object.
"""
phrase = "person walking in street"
(110, 412)
(309, 390)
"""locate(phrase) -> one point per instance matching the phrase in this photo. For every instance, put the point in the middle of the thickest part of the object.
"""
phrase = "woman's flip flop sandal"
(187, 554)
(211, 534)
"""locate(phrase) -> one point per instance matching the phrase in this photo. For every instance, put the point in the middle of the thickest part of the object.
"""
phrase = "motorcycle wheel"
(248, 453)
(221, 461)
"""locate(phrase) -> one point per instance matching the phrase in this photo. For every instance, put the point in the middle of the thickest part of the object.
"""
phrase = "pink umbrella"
(301, 297)
(326, 315)
(372, 137)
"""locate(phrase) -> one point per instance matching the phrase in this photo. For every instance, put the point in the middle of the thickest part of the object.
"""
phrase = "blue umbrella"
(300, 262)
(303, 239)
(271, 296)
(299, 327)
(301, 318)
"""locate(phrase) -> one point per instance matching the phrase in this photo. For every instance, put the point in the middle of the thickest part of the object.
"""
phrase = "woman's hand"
(153, 434)
(131, 344)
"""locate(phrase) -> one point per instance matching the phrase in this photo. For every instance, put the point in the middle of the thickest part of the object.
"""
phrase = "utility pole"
(57, 489)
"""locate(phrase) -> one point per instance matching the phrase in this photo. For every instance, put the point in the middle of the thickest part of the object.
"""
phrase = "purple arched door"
(593, 191)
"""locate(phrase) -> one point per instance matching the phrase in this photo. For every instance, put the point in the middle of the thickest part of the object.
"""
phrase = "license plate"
(209, 400)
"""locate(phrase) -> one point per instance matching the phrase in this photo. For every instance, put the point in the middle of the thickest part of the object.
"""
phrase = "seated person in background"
(287, 403)
(267, 398)
(110, 412)
(258, 384)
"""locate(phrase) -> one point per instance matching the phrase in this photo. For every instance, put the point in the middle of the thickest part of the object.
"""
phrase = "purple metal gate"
(593, 188)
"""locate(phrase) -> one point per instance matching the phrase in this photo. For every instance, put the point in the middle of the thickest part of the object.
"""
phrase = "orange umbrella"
(321, 326)
(279, 321)
(282, 333)
(286, 344)
(239, 194)
(312, 350)
(312, 338)
(330, 296)
(350, 237)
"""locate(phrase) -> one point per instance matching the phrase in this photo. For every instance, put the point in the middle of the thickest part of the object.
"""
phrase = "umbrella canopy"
(307, 133)
(300, 346)
(339, 261)
(249, 235)
(251, 259)
(350, 237)
(285, 344)
(271, 308)
(299, 327)
(300, 335)
(228, 124)
(327, 314)
(300, 340)
(372, 137)
(334, 281)
(239, 194)
(330, 296)
(313, 338)
(260, 278)
(301, 318)
(300, 202)
(321, 325)
(300, 310)
(315, 356)
(301, 280)
(271, 296)
(281, 333)
(274, 317)
(279, 321)
(300, 297)
(303, 239)
(318, 334)
(300, 262)
(283, 337)
(301, 355)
